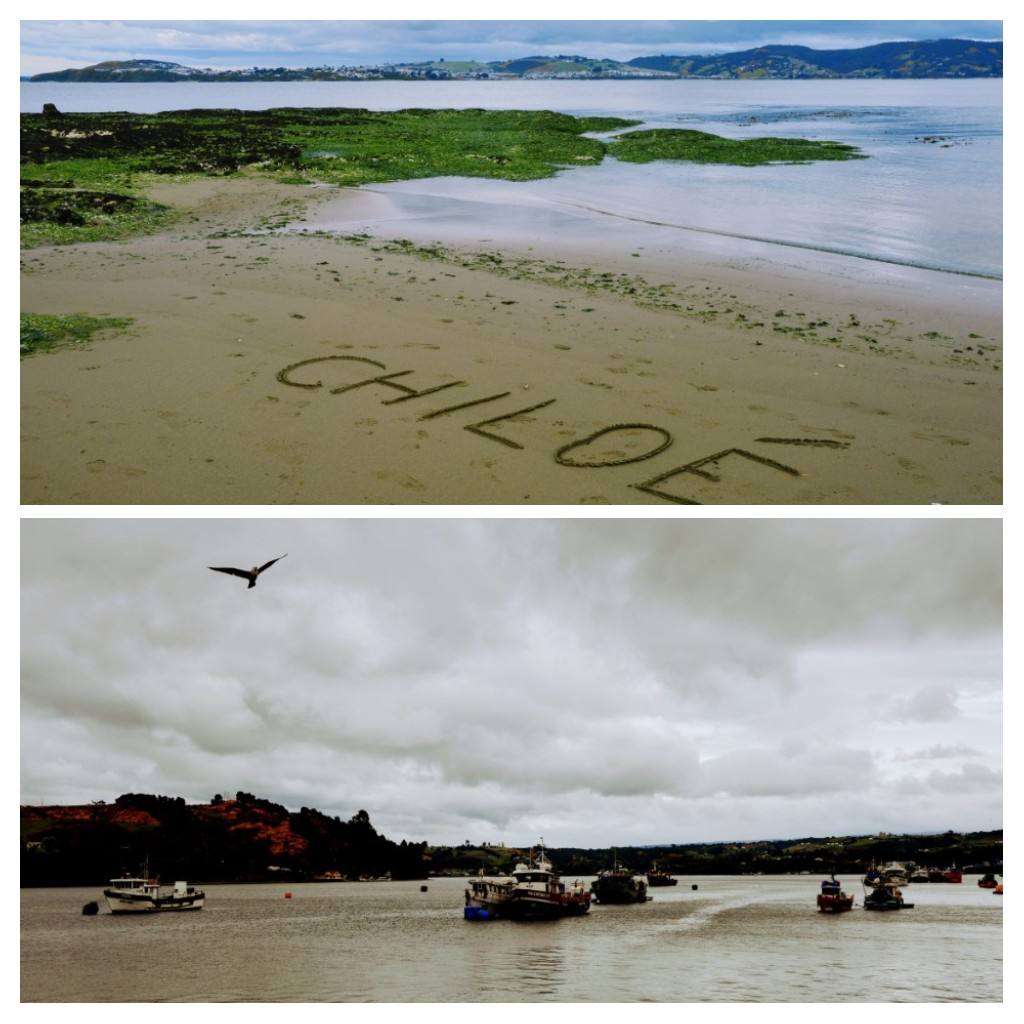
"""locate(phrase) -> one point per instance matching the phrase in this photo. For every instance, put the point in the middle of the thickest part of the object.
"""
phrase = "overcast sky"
(596, 682)
(53, 45)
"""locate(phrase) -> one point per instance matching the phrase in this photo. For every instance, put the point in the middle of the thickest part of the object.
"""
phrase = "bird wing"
(270, 563)
(231, 572)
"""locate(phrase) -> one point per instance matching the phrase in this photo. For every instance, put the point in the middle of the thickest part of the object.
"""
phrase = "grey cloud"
(649, 678)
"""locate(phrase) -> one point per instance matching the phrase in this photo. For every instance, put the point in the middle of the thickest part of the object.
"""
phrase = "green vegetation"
(240, 839)
(702, 148)
(84, 175)
(980, 851)
(44, 333)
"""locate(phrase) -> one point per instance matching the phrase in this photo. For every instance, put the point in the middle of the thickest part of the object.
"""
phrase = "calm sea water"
(935, 205)
(735, 939)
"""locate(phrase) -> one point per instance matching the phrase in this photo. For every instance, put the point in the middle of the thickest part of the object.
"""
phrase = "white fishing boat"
(147, 896)
(534, 892)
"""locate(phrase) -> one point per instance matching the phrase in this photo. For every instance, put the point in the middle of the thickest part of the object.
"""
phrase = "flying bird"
(247, 574)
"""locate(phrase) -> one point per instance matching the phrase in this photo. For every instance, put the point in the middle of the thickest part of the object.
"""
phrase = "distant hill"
(980, 851)
(940, 58)
(245, 839)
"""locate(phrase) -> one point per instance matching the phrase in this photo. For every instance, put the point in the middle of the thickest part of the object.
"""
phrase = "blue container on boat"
(475, 914)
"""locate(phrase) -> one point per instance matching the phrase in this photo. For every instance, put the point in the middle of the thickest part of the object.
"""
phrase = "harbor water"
(929, 196)
(734, 939)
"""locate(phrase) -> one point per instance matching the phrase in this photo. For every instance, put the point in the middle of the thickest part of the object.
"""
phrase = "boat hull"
(124, 903)
(619, 888)
(525, 906)
(829, 904)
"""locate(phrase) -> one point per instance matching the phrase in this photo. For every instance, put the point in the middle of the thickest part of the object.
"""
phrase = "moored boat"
(656, 878)
(987, 882)
(619, 885)
(954, 875)
(534, 892)
(147, 896)
(832, 899)
(886, 896)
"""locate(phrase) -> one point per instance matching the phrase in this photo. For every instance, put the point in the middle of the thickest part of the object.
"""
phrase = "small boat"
(895, 873)
(533, 893)
(886, 896)
(147, 895)
(987, 882)
(832, 899)
(952, 875)
(656, 878)
(919, 875)
(619, 885)
(998, 890)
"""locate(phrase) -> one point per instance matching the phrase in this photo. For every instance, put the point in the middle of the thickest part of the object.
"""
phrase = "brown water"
(735, 939)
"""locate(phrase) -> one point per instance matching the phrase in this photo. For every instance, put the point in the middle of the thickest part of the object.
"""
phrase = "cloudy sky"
(53, 45)
(592, 681)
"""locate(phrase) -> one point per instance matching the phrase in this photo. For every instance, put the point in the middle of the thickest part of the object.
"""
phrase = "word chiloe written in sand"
(569, 455)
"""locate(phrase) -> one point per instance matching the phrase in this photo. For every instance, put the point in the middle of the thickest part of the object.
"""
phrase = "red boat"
(832, 900)
(952, 875)
(987, 882)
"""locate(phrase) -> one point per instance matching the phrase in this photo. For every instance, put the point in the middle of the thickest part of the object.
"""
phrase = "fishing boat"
(147, 896)
(533, 893)
(656, 878)
(832, 899)
(987, 881)
(886, 896)
(619, 885)
(954, 875)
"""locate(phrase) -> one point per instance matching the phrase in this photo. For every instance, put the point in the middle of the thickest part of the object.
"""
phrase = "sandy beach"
(455, 377)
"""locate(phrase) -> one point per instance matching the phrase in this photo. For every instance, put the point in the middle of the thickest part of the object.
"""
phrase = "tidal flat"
(273, 361)
(82, 173)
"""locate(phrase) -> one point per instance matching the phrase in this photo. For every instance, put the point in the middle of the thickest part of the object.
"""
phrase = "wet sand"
(191, 406)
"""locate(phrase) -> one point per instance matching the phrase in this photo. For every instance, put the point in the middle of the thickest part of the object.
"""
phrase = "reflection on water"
(734, 939)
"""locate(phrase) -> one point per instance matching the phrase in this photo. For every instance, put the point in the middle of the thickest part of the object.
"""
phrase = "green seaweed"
(84, 175)
(703, 148)
(41, 332)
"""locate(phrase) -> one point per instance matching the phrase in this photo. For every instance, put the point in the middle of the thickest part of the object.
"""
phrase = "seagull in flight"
(247, 574)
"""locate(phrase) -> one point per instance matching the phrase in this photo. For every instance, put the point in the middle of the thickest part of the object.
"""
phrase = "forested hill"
(244, 839)
(936, 58)
(977, 851)
(247, 839)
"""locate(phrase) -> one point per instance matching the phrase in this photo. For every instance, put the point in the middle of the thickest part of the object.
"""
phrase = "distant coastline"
(249, 839)
(942, 58)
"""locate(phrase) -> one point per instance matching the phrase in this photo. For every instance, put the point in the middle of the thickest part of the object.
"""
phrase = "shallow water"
(934, 205)
(734, 939)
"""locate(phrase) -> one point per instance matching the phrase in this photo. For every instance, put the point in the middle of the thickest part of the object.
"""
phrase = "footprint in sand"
(956, 441)
(402, 479)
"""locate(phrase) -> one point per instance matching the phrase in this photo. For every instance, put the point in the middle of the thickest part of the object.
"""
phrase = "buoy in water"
(423, 888)
(287, 895)
(91, 908)
(694, 886)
